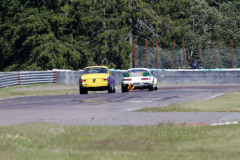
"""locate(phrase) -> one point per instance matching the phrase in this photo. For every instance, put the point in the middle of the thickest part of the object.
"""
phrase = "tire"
(156, 87)
(83, 90)
(151, 87)
(114, 89)
(111, 88)
(124, 88)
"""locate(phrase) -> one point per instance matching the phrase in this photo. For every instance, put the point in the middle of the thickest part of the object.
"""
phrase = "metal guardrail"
(27, 77)
(9, 79)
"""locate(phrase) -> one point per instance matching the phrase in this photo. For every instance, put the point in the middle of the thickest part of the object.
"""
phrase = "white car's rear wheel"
(124, 88)
(151, 87)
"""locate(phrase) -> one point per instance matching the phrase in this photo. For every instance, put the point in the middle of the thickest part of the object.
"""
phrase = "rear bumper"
(137, 85)
(96, 88)
(95, 85)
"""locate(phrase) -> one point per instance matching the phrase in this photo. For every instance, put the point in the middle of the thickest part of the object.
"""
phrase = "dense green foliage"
(72, 34)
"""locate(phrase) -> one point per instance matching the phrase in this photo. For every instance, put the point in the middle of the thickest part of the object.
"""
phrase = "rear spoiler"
(130, 74)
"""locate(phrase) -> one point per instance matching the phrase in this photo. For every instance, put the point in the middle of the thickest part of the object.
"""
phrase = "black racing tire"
(156, 88)
(83, 90)
(151, 87)
(124, 88)
(114, 89)
(111, 88)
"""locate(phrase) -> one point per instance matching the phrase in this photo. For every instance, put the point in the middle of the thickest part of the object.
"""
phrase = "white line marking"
(136, 101)
(215, 96)
(132, 109)
(140, 101)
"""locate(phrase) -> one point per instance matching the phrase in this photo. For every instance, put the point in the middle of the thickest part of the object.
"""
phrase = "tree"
(204, 23)
(47, 34)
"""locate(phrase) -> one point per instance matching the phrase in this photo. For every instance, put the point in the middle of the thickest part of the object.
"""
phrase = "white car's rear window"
(138, 71)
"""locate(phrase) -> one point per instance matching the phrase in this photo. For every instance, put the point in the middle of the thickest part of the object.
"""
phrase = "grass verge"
(37, 89)
(225, 103)
(57, 142)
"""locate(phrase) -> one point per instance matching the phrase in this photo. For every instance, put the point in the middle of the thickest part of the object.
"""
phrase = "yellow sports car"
(96, 78)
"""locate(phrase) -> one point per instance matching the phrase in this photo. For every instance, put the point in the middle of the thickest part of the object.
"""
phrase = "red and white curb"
(213, 124)
(224, 123)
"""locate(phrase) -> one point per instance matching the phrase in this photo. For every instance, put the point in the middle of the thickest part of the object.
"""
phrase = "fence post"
(185, 54)
(215, 55)
(55, 77)
(157, 54)
(19, 80)
(232, 54)
(134, 54)
(146, 54)
(173, 53)
(200, 52)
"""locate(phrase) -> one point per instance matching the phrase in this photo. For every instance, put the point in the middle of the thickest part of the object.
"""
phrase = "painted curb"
(212, 124)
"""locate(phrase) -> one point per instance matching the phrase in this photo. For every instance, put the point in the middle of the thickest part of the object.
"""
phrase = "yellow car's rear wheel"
(83, 90)
(111, 88)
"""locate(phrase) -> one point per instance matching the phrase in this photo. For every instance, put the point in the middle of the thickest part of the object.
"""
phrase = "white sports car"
(138, 78)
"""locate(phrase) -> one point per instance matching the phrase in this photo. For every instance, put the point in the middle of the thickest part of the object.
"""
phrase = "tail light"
(106, 79)
(83, 80)
(145, 78)
(128, 79)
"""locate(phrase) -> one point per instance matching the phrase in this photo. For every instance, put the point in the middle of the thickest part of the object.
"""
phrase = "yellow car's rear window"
(95, 70)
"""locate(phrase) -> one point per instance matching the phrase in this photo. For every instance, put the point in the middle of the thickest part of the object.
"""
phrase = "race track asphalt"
(116, 109)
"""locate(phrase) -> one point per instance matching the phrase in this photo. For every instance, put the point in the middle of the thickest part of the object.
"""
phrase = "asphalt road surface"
(102, 108)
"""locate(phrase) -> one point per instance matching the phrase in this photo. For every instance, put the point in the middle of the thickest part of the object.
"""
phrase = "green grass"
(28, 91)
(40, 141)
(57, 142)
(225, 103)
